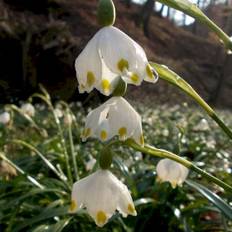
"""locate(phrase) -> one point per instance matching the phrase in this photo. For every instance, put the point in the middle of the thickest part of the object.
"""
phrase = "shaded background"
(40, 39)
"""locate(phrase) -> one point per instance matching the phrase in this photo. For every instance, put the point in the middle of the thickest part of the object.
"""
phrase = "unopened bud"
(106, 12)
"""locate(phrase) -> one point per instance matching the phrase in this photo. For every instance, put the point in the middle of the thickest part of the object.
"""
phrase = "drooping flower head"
(4, 118)
(28, 109)
(171, 171)
(102, 194)
(109, 55)
(115, 117)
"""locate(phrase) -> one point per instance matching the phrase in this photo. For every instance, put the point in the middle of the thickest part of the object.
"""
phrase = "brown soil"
(47, 42)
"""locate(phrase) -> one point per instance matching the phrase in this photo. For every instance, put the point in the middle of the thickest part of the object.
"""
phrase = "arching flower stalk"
(109, 55)
(171, 171)
(102, 194)
(116, 117)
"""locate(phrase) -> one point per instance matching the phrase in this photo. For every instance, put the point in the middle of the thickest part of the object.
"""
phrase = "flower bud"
(106, 12)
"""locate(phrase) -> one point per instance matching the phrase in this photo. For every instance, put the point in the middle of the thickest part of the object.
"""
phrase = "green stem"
(215, 117)
(46, 99)
(45, 160)
(166, 154)
(30, 178)
(73, 152)
(168, 75)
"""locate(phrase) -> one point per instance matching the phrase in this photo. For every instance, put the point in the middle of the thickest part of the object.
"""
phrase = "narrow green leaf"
(212, 197)
(57, 227)
(45, 160)
(143, 201)
(168, 75)
(191, 9)
(48, 213)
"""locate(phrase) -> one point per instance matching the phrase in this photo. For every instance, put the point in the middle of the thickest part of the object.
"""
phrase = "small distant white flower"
(89, 164)
(115, 117)
(171, 171)
(28, 109)
(108, 55)
(102, 194)
(58, 113)
(68, 119)
(138, 155)
(5, 118)
(203, 125)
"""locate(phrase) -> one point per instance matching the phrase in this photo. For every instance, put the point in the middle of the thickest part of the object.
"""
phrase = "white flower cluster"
(109, 57)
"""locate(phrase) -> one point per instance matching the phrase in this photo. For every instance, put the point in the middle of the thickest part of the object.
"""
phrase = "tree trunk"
(147, 10)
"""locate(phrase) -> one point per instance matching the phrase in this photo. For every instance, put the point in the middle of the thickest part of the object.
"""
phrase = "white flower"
(5, 118)
(138, 155)
(171, 171)
(28, 109)
(115, 117)
(58, 113)
(90, 164)
(68, 119)
(102, 194)
(202, 125)
(108, 55)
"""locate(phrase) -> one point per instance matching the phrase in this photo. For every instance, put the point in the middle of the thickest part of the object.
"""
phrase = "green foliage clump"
(42, 148)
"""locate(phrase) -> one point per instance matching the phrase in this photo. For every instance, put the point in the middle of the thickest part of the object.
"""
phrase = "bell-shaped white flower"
(102, 194)
(115, 117)
(4, 118)
(28, 109)
(108, 55)
(171, 171)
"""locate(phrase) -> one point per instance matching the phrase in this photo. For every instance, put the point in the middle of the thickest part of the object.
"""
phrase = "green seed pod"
(106, 158)
(106, 12)
(121, 88)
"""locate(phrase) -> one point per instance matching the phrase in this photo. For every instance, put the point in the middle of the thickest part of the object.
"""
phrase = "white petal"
(122, 54)
(169, 170)
(88, 66)
(125, 202)
(108, 81)
(93, 121)
(124, 120)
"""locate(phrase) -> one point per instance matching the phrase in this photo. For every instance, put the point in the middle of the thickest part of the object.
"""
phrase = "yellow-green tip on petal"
(106, 12)
(73, 206)
(101, 218)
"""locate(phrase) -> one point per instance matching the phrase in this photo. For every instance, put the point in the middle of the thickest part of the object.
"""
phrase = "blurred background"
(40, 140)
(39, 41)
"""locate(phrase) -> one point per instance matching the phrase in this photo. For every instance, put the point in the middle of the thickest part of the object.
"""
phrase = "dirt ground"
(42, 42)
